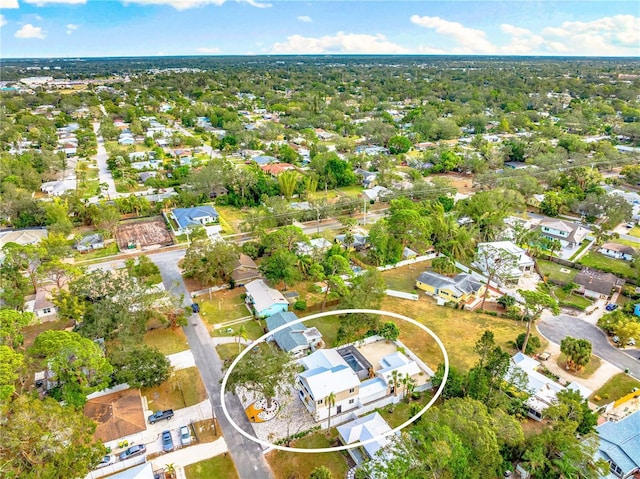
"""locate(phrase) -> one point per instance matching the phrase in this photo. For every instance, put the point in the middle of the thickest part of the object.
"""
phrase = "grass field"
(401, 412)
(618, 267)
(586, 372)
(328, 327)
(458, 330)
(253, 327)
(353, 191)
(635, 231)
(167, 341)
(109, 250)
(218, 466)
(616, 387)
(404, 279)
(576, 299)
(286, 464)
(185, 388)
(224, 305)
(554, 271)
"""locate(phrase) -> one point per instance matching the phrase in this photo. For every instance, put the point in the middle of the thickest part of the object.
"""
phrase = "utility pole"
(318, 221)
(364, 207)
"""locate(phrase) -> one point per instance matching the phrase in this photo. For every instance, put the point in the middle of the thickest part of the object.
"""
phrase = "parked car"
(631, 342)
(630, 225)
(135, 450)
(160, 415)
(611, 307)
(185, 436)
(167, 441)
(544, 356)
(195, 307)
(615, 339)
(106, 461)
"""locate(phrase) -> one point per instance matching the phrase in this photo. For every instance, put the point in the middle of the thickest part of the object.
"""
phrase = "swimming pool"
(351, 360)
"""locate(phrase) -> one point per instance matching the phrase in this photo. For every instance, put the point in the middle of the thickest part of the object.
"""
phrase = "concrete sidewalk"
(190, 455)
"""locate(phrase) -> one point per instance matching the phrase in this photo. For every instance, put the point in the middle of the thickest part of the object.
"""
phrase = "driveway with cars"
(556, 328)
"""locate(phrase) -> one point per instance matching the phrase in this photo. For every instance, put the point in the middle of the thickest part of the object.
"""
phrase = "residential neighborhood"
(161, 219)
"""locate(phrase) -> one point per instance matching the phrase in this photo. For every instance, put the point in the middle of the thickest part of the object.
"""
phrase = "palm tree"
(331, 401)
(394, 382)
(409, 385)
(287, 181)
(242, 334)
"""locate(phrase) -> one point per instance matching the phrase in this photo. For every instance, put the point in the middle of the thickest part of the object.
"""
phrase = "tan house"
(459, 289)
(245, 270)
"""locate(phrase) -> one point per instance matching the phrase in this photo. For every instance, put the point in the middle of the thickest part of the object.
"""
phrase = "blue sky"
(78, 28)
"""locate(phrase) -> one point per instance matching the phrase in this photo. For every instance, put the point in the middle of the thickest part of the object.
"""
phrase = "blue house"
(636, 309)
(265, 301)
(197, 216)
(295, 339)
(619, 445)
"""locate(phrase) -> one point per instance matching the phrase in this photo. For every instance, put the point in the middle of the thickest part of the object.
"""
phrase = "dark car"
(133, 451)
(167, 441)
(611, 307)
(195, 307)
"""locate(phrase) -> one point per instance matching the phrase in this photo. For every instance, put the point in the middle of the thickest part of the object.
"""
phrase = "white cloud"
(9, 4)
(187, 4)
(71, 28)
(523, 41)
(304, 18)
(42, 3)
(339, 43)
(209, 50)
(468, 40)
(29, 31)
(617, 35)
(3, 21)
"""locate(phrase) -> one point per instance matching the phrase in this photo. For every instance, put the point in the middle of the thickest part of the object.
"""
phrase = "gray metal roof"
(620, 442)
(289, 338)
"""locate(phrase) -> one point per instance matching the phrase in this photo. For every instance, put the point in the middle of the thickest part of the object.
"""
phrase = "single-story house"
(265, 301)
(619, 445)
(90, 243)
(569, 234)
(197, 216)
(617, 251)
(356, 241)
(295, 339)
(275, 169)
(262, 160)
(218, 191)
(145, 175)
(460, 288)
(408, 253)
(21, 237)
(362, 429)
(313, 247)
(522, 263)
(597, 285)
(375, 193)
(543, 390)
(59, 187)
(326, 372)
(368, 178)
(245, 270)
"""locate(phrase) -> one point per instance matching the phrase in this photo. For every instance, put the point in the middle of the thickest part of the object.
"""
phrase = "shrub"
(300, 305)
(532, 346)
(443, 265)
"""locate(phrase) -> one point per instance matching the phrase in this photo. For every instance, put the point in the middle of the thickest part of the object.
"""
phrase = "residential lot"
(143, 234)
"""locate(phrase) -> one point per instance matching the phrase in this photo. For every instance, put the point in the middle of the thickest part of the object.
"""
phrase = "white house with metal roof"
(521, 262)
(363, 429)
(620, 446)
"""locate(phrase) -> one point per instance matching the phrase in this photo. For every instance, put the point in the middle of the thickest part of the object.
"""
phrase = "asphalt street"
(556, 328)
(246, 454)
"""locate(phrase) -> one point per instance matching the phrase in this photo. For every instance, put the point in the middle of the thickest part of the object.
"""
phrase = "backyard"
(218, 466)
(556, 271)
(601, 262)
(167, 340)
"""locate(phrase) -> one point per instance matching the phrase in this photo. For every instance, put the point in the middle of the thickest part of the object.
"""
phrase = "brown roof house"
(40, 304)
(597, 285)
(617, 251)
(245, 270)
(118, 414)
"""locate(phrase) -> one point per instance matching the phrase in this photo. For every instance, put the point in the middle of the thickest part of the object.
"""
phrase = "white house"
(363, 429)
(617, 251)
(522, 263)
(42, 306)
(569, 234)
(314, 247)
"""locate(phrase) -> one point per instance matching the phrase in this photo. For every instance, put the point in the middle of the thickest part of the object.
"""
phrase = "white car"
(106, 461)
(631, 342)
(185, 436)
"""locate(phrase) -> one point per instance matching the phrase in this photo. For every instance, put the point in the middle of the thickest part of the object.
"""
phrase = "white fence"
(116, 467)
(401, 294)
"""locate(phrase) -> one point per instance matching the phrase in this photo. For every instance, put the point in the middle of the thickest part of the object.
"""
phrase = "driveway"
(556, 328)
(104, 174)
(247, 455)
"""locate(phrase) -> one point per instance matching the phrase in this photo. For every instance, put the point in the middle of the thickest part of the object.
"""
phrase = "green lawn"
(618, 386)
(328, 327)
(574, 298)
(553, 271)
(109, 250)
(224, 305)
(404, 279)
(253, 327)
(401, 412)
(218, 466)
(599, 261)
(185, 388)
(228, 352)
(585, 372)
(354, 190)
(584, 244)
(167, 341)
(285, 464)
(633, 244)
(635, 231)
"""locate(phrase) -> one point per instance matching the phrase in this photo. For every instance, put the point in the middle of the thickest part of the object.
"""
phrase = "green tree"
(78, 363)
(288, 182)
(398, 145)
(321, 472)
(44, 440)
(281, 266)
(11, 325)
(267, 372)
(11, 363)
(497, 263)
(330, 401)
(139, 365)
(209, 262)
(578, 352)
(534, 303)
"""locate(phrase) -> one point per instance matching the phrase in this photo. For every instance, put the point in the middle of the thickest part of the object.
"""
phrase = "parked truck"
(160, 415)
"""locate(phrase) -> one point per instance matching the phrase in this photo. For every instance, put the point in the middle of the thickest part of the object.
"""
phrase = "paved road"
(556, 328)
(104, 174)
(246, 454)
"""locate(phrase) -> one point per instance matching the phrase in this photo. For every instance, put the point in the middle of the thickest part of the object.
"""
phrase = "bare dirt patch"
(143, 234)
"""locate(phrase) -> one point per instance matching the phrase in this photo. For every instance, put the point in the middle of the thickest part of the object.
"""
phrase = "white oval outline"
(263, 338)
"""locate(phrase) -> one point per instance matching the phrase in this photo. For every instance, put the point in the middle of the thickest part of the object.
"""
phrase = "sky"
(95, 28)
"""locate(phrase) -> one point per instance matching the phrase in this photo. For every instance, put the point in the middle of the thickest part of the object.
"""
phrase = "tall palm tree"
(242, 334)
(331, 401)
(395, 381)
